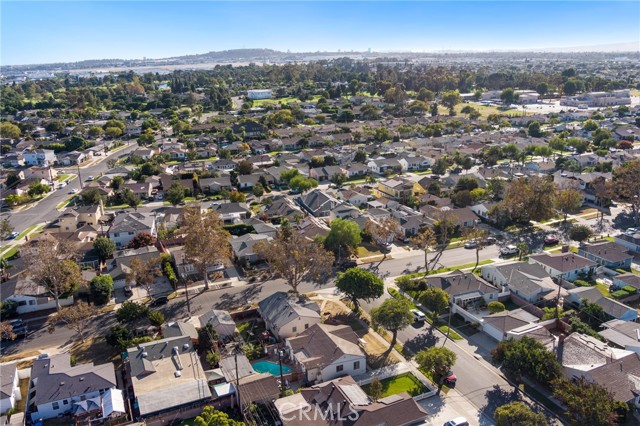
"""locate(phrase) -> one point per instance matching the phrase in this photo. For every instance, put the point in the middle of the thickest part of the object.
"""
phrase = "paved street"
(45, 210)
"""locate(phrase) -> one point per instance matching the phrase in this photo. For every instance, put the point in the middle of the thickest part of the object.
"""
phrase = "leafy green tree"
(258, 190)
(435, 300)
(542, 88)
(142, 239)
(518, 414)
(175, 194)
(338, 179)
(130, 312)
(117, 182)
(95, 131)
(509, 96)
(425, 95)
(495, 307)
(358, 284)
(101, 288)
(450, 99)
(119, 337)
(212, 417)
(343, 237)
(9, 130)
(207, 337)
(245, 167)
(112, 132)
(626, 185)
(394, 315)
(5, 228)
(302, 184)
(104, 247)
(526, 356)
(440, 166)
(590, 125)
(438, 361)
(36, 189)
(580, 233)
(375, 389)
(130, 198)
(568, 201)
(237, 197)
(535, 130)
(587, 403)
(156, 318)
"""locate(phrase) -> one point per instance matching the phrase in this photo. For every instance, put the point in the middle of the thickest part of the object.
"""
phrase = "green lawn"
(603, 289)
(427, 374)
(29, 229)
(406, 382)
(9, 254)
(261, 102)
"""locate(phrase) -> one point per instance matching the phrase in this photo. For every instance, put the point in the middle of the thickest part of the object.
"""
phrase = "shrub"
(630, 289)
(168, 271)
(582, 283)
(495, 307)
(212, 359)
(621, 271)
(119, 337)
(101, 288)
(619, 294)
(156, 318)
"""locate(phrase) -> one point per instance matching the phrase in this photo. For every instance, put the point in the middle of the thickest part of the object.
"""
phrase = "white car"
(507, 250)
(458, 421)
(418, 315)
(73, 191)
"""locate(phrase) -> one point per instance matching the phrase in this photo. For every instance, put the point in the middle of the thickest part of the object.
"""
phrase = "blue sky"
(42, 32)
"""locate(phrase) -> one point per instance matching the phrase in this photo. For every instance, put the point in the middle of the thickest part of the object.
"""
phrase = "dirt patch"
(24, 390)
(19, 356)
(94, 350)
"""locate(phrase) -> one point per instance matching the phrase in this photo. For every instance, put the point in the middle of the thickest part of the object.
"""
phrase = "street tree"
(358, 284)
(91, 196)
(258, 190)
(438, 361)
(36, 189)
(587, 403)
(295, 258)
(104, 247)
(77, 318)
(444, 227)
(517, 413)
(479, 237)
(131, 312)
(530, 199)
(338, 179)
(568, 201)
(436, 300)
(626, 186)
(425, 240)
(5, 228)
(580, 233)
(509, 96)
(523, 249)
(130, 198)
(302, 184)
(450, 99)
(175, 194)
(393, 314)
(143, 273)
(156, 317)
(382, 233)
(343, 237)
(6, 331)
(52, 265)
(206, 240)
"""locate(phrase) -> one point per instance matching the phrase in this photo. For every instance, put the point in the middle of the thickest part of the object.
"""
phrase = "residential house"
(223, 164)
(381, 165)
(356, 170)
(568, 265)
(282, 207)
(144, 153)
(323, 174)
(342, 402)
(118, 268)
(620, 379)
(622, 334)
(248, 181)
(317, 203)
(324, 352)
(580, 353)
(528, 281)
(501, 324)
(141, 189)
(258, 389)
(36, 172)
(40, 157)
(413, 163)
(9, 387)
(243, 247)
(13, 159)
(222, 322)
(286, 316)
(71, 158)
(613, 308)
(357, 197)
(607, 254)
(57, 388)
(126, 226)
(213, 185)
(30, 296)
(464, 288)
(165, 375)
(630, 241)
(624, 280)
(179, 329)
(232, 213)
(483, 209)
(397, 189)
(251, 129)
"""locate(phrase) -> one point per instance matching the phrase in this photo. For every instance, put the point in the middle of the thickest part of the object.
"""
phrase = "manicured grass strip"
(452, 334)
(450, 268)
(406, 382)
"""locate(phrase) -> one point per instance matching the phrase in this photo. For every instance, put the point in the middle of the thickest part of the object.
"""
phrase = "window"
(306, 326)
(339, 368)
(22, 303)
(116, 235)
(356, 365)
(56, 405)
(294, 329)
(65, 401)
(132, 233)
(32, 302)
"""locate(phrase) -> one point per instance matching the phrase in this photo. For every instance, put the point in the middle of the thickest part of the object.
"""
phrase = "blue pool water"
(271, 368)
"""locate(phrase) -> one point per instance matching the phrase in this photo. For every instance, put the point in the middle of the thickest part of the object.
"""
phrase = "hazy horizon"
(94, 30)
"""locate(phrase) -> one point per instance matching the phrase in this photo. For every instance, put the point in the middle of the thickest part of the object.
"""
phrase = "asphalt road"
(45, 210)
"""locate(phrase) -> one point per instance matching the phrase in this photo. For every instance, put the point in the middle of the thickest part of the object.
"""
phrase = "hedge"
(169, 273)
(619, 294)
(630, 289)
(582, 283)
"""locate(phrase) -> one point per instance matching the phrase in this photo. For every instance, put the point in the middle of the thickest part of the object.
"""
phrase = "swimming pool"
(271, 368)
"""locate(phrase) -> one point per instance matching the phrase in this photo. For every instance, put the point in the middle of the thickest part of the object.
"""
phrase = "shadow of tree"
(228, 301)
(422, 341)
(497, 397)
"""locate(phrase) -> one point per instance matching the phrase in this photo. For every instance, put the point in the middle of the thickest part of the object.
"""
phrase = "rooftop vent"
(185, 346)
(61, 383)
(177, 374)
(144, 354)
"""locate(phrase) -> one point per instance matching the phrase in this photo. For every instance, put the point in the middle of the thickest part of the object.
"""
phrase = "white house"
(29, 296)
(528, 281)
(9, 387)
(569, 265)
(288, 316)
(324, 352)
(40, 157)
(221, 320)
(622, 334)
(56, 387)
(259, 94)
(126, 226)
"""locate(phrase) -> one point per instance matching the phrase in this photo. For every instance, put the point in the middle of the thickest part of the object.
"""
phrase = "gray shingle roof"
(280, 309)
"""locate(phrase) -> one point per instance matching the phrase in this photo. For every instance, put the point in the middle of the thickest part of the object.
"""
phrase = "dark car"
(19, 328)
(13, 235)
(159, 301)
(551, 240)
(347, 265)
(128, 291)
(490, 240)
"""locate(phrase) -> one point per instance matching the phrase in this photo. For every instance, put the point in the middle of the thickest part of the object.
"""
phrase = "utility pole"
(186, 287)
(281, 376)
(80, 176)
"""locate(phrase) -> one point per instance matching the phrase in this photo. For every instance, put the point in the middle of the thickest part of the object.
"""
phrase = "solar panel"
(355, 394)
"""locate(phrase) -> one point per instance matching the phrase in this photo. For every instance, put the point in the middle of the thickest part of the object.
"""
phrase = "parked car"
(471, 244)
(418, 315)
(450, 380)
(13, 235)
(127, 291)
(89, 178)
(490, 240)
(159, 197)
(551, 240)
(159, 301)
(73, 191)
(508, 250)
(458, 421)
(347, 265)
(19, 328)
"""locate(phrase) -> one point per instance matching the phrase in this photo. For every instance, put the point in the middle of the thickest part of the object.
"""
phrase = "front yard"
(406, 382)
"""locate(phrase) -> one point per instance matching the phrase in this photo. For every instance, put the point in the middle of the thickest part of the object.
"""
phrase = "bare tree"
(143, 273)
(425, 241)
(295, 258)
(6, 331)
(479, 237)
(52, 265)
(383, 232)
(206, 241)
(76, 318)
